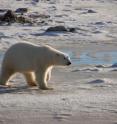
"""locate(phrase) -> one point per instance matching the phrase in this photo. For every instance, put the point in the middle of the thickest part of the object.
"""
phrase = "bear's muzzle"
(69, 63)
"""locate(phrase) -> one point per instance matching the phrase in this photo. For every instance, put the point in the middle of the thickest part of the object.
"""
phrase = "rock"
(3, 10)
(114, 70)
(97, 81)
(60, 29)
(37, 15)
(114, 65)
(72, 29)
(97, 32)
(21, 10)
(99, 23)
(9, 16)
(44, 16)
(56, 28)
(100, 66)
(23, 20)
(36, 0)
(91, 11)
(1, 17)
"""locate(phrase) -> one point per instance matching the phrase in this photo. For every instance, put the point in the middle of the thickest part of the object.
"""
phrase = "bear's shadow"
(20, 89)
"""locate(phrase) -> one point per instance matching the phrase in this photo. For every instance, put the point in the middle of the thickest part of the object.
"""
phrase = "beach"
(84, 92)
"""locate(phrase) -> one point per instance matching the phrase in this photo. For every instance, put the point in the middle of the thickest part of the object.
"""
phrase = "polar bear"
(33, 61)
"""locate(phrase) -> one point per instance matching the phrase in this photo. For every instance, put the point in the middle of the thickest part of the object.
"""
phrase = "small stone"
(72, 30)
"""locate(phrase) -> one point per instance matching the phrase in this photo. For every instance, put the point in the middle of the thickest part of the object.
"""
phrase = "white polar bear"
(35, 62)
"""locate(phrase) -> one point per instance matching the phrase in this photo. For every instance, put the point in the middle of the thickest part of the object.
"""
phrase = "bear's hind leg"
(5, 75)
(30, 78)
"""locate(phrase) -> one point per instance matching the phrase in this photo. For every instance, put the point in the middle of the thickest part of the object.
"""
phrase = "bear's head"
(62, 59)
(56, 57)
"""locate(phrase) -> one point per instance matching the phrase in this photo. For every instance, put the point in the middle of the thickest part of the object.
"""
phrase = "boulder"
(9, 16)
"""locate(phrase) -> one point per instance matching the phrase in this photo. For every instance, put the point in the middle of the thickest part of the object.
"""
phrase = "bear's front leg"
(49, 73)
(41, 76)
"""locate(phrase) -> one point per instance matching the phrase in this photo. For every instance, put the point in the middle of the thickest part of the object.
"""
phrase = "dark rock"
(97, 32)
(23, 20)
(114, 65)
(36, 0)
(60, 29)
(114, 70)
(100, 66)
(72, 30)
(97, 81)
(57, 28)
(1, 17)
(88, 11)
(91, 11)
(110, 22)
(9, 16)
(44, 16)
(36, 15)
(3, 10)
(21, 10)
(100, 23)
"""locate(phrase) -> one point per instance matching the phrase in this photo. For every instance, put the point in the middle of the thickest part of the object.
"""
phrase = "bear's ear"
(57, 54)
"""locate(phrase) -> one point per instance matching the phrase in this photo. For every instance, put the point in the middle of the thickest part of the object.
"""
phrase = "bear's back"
(22, 46)
(21, 51)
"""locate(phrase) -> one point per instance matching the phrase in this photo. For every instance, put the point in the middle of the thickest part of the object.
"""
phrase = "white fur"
(35, 62)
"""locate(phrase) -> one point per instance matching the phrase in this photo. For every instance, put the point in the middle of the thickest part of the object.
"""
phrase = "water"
(96, 58)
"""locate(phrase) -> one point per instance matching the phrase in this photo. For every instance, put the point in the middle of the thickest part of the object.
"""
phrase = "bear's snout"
(68, 60)
(69, 63)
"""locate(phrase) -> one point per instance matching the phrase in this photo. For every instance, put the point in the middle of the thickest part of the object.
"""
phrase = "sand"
(86, 91)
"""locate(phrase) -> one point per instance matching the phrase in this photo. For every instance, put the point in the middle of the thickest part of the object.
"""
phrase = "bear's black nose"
(69, 63)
